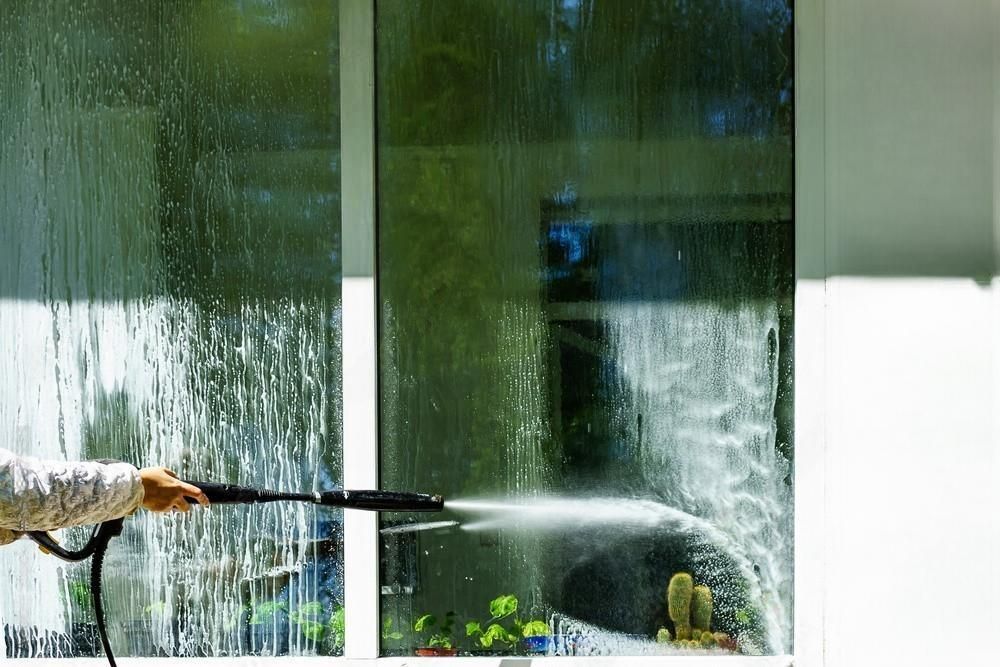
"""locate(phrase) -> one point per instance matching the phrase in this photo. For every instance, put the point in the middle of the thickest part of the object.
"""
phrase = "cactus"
(682, 631)
(663, 636)
(679, 592)
(701, 608)
(707, 640)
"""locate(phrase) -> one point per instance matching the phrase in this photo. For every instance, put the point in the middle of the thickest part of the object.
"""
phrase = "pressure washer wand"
(371, 500)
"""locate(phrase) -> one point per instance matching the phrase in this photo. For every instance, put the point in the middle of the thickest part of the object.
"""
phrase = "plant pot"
(435, 652)
(537, 645)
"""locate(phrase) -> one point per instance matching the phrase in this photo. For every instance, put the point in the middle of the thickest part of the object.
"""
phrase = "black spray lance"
(228, 494)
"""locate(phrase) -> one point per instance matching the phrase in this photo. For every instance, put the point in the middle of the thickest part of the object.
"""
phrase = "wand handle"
(373, 500)
(230, 494)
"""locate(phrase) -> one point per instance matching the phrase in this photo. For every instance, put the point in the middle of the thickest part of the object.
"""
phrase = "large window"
(170, 295)
(585, 259)
(582, 288)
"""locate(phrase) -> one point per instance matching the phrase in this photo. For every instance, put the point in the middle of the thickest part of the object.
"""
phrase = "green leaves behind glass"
(503, 606)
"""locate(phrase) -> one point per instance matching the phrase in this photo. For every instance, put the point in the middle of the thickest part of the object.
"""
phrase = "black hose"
(96, 569)
(96, 546)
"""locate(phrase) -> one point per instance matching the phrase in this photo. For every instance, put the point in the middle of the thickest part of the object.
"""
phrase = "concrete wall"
(898, 333)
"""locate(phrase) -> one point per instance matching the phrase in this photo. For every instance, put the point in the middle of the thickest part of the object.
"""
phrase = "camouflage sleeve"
(47, 495)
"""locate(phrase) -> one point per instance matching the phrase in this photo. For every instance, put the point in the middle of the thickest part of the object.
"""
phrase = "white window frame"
(360, 374)
(357, 20)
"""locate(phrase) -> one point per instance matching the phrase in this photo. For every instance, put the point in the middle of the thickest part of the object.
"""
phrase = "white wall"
(898, 378)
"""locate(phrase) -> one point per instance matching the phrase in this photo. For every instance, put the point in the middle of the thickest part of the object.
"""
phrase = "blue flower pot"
(537, 644)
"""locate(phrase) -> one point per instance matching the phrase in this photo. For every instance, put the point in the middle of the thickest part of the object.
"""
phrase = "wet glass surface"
(170, 295)
(586, 271)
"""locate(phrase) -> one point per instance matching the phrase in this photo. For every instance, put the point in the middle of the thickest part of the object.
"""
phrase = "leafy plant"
(80, 593)
(442, 637)
(336, 629)
(501, 608)
(535, 629)
(158, 608)
(311, 619)
(264, 612)
(387, 632)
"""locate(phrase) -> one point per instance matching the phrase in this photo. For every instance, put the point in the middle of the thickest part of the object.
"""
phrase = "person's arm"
(47, 495)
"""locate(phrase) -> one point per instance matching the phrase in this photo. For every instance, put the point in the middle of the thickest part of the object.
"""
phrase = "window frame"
(360, 336)
(360, 370)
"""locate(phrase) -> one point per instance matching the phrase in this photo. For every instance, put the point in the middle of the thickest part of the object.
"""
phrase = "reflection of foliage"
(114, 432)
(688, 69)
(388, 634)
(450, 242)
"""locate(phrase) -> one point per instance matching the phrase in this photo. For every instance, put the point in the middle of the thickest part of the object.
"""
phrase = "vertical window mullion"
(811, 343)
(357, 77)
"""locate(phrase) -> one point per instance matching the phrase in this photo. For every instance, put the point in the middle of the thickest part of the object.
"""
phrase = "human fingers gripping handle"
(164, 491)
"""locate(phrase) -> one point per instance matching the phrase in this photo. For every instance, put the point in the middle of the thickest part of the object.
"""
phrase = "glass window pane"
(586, 277)
(170, 295)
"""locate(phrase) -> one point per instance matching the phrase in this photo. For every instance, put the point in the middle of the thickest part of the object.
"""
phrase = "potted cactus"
(690, 610)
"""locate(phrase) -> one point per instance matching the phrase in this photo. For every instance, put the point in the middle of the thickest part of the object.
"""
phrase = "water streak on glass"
(170, 295)
(586, 272)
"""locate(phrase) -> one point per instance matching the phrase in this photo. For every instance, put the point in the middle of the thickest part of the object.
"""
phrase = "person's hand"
(165, 492)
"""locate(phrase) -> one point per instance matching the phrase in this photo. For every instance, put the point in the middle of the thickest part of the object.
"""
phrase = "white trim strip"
(811, 377)
(361, 558)
(513, 661)
(360, 388)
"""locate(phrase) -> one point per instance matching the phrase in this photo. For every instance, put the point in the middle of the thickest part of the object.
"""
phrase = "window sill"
(623, 661)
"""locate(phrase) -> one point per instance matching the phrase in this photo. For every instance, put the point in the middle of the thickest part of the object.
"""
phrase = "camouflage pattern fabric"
(48, 495)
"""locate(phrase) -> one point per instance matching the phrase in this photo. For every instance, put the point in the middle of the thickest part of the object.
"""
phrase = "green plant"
(309, 618)
(387, 632)
(701, 608)
(535, 629)
(663, 636)
(440, 638)
(264, 612)
(158, 608)
(679, 592)
(505, 607)
(501, 607)
(336, 629)
(80, 593)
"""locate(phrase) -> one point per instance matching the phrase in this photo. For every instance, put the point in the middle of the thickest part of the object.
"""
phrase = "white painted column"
(361, 555)
(810, 384)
